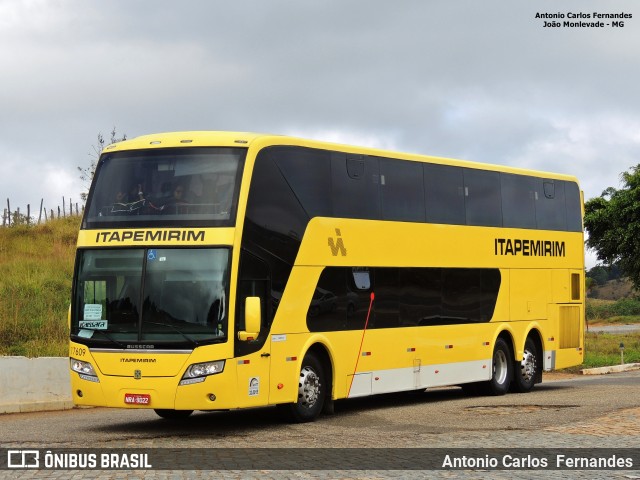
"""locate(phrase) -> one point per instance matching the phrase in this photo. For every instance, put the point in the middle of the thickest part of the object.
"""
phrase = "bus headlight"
(197, 372)
(84, 369)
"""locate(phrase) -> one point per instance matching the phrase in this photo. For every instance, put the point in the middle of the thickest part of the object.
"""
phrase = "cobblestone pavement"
(601, 412)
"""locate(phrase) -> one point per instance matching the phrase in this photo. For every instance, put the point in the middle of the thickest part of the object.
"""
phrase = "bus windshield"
(142, 297)
(178, 187)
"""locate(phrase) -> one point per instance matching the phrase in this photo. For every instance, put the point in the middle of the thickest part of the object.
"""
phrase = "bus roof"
(258, 140)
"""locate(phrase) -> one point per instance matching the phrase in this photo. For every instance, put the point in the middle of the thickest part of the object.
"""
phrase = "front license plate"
(137, 398)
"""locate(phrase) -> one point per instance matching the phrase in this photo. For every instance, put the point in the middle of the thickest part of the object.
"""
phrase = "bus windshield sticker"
(85, 333)
(93, 311)
(151, 256)
(94, 324)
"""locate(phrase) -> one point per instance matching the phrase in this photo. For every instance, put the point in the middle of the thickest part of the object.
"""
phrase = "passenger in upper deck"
(177, 202)
(128, 202)
(179, 197)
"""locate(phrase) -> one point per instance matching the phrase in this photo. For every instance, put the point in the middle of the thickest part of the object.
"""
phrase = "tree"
(589, 283)
(613, 223)
(86, 173)
(599, 275)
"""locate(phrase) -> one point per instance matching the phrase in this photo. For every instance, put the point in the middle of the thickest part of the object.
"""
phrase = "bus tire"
(312, 391)
(173, 414)
(526, 370)
(502, 369)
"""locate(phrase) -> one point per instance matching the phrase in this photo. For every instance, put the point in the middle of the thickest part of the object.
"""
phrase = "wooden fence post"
(40, 215)
(8, 213)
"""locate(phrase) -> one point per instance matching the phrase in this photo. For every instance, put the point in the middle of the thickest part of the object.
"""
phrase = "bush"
(603, 309)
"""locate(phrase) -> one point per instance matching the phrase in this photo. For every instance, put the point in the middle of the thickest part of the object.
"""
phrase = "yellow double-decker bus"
(222, 270)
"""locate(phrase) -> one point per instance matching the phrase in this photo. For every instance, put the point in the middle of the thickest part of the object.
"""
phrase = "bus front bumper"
(215, 392)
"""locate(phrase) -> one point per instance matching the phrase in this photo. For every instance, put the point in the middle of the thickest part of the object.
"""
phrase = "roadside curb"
(627, 367)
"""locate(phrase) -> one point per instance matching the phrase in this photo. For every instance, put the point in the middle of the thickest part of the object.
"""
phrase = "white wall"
(32, 384)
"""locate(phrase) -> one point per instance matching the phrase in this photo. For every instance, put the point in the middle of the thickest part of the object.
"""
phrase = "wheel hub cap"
(528, 365)
(500, 368)
(309, 387)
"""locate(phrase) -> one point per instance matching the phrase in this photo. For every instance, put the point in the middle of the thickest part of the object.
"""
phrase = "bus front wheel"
(502, 365)
(173, 414)
(312, 391)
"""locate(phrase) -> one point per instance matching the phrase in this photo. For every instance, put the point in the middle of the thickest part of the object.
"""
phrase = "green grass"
(603, 349)
(36, 267)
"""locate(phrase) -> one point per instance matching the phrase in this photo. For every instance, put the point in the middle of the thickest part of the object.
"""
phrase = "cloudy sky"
(479, 80)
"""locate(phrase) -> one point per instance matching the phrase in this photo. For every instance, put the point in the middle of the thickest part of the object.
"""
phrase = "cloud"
(482, 81)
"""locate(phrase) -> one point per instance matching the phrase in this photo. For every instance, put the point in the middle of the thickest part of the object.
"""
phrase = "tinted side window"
(274, 209)
(469, 294)
(330, 303)
(444, 194)
(340, 300)
(359, 285)
(518, 201)
(551, 213)
(274, 223)
(386, 305)
(308, 173)
(355, 182)
(405, 297)
(483, 202)
(574, 207)
(420, 296)
(401, 190)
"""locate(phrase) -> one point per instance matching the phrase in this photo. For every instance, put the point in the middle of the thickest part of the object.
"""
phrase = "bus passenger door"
(252, 351)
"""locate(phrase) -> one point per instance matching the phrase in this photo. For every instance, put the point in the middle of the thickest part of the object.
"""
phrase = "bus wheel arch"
(314, 387)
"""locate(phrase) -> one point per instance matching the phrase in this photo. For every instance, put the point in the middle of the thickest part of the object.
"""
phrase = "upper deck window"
(178, 186)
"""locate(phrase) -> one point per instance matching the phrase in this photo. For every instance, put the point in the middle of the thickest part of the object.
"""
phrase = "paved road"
(614, 328)
(589, 412)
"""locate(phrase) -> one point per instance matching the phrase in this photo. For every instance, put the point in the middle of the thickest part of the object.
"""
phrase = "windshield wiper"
(193, 342)
(109, 337)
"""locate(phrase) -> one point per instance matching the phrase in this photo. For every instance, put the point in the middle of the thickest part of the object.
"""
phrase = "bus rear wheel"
(526, 370)
(502, 365)
(312, 391)
(173, 414)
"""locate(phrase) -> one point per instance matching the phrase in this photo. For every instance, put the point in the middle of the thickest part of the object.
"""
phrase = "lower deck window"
(404, 297)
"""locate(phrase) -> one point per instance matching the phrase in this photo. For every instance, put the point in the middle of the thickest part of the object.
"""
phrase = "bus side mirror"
(252, 317)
